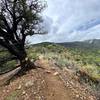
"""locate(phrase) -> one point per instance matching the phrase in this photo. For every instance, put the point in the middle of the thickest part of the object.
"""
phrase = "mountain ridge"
(92, 43)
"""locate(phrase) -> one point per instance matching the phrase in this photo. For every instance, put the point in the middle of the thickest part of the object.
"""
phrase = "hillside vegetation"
(7, 61)
(87, 54)
(81, 60)
(84, 60)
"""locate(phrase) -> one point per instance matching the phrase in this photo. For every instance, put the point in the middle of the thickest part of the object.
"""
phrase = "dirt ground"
(46, 83)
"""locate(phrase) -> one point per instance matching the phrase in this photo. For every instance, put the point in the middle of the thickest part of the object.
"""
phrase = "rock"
(65, 69)
(26, 58)
(7, 91)
(35, 93)
(4, 91)
(43, 81)
(29, 83)
(77, 96)
(19, 87)
(82, 98)
(91, 98)
(76, 78)
(53, 68)
(56, 73)
(32, 60)
(71, 83)
(23, 92)
(47, 71)
(41, 57)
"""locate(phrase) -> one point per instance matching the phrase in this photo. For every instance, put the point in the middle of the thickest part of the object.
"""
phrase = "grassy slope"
(5, 63)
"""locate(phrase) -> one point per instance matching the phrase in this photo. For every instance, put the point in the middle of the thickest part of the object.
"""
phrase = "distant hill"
(88, 44)
(94, 42)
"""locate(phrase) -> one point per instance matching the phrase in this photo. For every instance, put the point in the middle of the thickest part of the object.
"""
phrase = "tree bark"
(5, 78)
(25, 65)
(25, 62)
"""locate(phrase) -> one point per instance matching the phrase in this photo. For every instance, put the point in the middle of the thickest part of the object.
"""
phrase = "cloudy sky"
(70, 20)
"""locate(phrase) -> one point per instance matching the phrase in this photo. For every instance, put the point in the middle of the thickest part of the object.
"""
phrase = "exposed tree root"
(18, 71)
(5, 78)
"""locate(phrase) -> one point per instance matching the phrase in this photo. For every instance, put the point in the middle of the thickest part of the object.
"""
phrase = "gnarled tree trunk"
(25, 62)
(25, 65)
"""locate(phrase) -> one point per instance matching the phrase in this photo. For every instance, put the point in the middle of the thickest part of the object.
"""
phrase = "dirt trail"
(55, 88)
(60, 84)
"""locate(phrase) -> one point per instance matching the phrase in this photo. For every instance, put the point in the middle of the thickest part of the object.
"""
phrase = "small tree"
(19, 19)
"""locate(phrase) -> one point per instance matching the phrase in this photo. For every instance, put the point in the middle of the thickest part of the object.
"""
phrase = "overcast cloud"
(70, 20)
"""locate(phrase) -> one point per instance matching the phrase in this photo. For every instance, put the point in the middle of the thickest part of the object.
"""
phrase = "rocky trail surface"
(46, 83)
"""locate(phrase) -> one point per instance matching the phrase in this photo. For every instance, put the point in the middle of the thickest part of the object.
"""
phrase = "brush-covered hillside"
(81, 58)
(77, 65)
(86, 53)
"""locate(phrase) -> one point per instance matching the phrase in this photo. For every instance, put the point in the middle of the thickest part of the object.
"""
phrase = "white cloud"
(71, 20)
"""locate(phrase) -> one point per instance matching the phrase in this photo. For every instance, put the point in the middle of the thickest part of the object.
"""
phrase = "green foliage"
(13, 96)
(8, 64)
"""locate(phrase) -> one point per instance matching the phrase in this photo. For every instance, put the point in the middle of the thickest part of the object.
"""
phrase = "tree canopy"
(18, 19)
